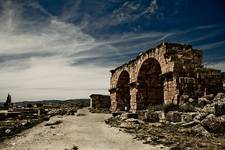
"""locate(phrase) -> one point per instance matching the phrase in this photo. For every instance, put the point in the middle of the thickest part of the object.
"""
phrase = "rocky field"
(196, 124)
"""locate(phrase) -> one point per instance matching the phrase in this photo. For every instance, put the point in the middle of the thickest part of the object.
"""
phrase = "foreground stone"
(214, 124)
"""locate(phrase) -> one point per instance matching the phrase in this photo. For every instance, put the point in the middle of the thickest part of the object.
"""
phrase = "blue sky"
(59, 49)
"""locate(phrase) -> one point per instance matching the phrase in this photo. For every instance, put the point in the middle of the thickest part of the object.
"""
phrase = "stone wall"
(162, 75)
(223, 81)
(100, 101)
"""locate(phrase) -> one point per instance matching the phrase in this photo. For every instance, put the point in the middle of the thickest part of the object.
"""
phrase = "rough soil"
(86, 131)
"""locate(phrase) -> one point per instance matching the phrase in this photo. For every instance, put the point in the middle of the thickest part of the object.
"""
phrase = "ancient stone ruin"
(162, 75)
(98, 101)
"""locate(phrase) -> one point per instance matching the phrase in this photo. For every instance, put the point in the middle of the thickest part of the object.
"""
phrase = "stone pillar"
(133, 99)
(170, 92)
(113, 100)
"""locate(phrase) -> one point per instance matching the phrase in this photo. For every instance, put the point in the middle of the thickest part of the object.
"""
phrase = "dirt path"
(88, 132)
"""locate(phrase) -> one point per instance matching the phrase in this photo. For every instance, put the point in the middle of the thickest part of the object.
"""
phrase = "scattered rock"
(200, 130)
(75, 147)
(174, 116)
(214, 124)
(137, 121)
(183, 99)
(219, 96)
(209, 108)
(200, 116)
(7, 131)
(202, 102)
(127, 125)
(114, 114)
(132, 115)
(79, 114)
(209, 97)
(188, 117)
(129, 115)
(220, 109)
(192, 101)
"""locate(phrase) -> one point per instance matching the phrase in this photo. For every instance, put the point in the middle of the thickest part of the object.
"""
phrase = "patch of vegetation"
(186, 108)
(170, 107)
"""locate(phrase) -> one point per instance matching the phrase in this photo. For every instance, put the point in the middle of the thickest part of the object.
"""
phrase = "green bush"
(187, 107)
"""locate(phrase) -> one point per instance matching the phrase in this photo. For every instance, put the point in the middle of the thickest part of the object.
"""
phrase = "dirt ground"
(86, 131)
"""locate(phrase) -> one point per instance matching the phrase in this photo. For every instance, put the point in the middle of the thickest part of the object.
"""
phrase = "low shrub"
(187, 107)
(170, 107)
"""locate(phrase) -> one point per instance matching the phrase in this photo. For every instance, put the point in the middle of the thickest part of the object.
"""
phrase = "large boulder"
(174, 116)
(214, 124)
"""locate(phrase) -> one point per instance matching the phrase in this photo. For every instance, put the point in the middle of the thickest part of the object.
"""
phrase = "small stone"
(7, 131)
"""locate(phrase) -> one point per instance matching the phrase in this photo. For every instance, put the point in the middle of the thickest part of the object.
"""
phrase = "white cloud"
(45, 77)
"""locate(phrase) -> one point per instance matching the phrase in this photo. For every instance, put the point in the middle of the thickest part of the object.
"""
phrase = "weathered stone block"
(152, 117)
(174, 116)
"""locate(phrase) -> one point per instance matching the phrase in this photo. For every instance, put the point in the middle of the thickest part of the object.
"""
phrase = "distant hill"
(71, 101)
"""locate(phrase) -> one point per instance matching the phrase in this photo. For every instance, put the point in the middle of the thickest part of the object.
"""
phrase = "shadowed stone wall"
(99, 101)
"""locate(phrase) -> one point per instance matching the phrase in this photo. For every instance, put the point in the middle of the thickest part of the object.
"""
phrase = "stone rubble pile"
(203, 124)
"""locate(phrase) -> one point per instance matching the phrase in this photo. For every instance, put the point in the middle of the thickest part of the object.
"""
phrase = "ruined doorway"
(149, 84)
(123, 92)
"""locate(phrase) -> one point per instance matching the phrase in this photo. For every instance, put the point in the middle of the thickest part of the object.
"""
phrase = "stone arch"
(149, 84)
(123, 91)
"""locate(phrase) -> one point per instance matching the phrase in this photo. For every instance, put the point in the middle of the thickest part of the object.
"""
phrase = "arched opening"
(123, 92)
(150, 84)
